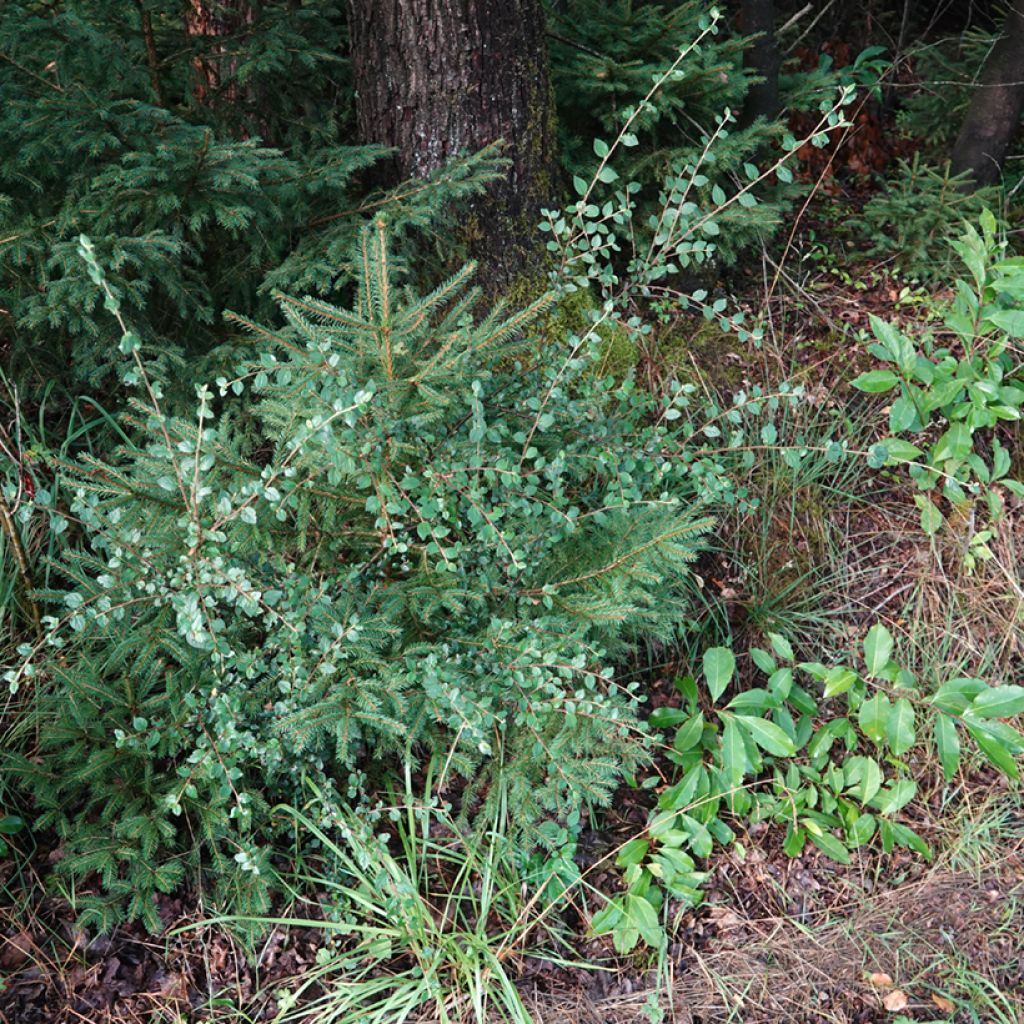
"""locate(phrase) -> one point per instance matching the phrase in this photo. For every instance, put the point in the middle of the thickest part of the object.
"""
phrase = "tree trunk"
(993, 117)
(217, 23)
(757, 17)
(435, 78)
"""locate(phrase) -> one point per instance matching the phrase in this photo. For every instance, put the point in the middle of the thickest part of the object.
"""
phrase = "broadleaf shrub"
(822, 752)
(954, 386)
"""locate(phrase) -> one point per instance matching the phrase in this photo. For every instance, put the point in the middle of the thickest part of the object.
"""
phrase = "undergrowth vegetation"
(358, 598)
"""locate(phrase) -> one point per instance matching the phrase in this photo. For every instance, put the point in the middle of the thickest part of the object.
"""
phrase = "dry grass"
(920, 939)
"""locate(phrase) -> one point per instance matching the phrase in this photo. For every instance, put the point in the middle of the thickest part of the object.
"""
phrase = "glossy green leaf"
(607, 917)
(796, 839)
(666, 717)
(955, 443)
(783, 648)
(643, 917)
(839, 680)
(688, 735)
(993, 748)
(831, 847)
(899, 727)
(999, 702)
(877, 648)
(875, 382)
(632, 853)
(734, 753)
(767, 735)
(947, 745)
(873, 717)
(895, 796)
(864, 778)
(861, 831)
(901, 451)
(931, 518)
(719, 666)
(902, 416)
(956, 696)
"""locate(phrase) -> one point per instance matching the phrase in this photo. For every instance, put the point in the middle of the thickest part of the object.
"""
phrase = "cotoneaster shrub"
(383, 534)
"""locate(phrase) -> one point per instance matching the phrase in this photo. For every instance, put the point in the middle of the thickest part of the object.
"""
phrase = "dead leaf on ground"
(725, 918)
(880, 979)
(944, 1004)
(16, 950)
(895, 1001)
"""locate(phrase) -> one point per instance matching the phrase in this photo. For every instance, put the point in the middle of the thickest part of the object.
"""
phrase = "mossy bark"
(435, 78)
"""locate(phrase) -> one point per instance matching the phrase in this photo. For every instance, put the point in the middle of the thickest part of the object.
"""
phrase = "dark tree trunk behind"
(757, 17)
(993, 118)
(217, 23)
(435, 78)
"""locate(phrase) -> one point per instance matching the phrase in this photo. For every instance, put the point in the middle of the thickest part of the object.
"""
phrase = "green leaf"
(754, 699)
(902, 415)
(862, 829)
(642, 916)
(886, 833)
(900, 451)
(999, 702)
(632, 853)
(815, 669)
(781, 683)
(931, 517)
(719, 666)
(1009, 320)
(701, 842)
(877, 648)
(899, 727)
(767, 735)
(873, 717)
(956, 696)
(955, 443)
(909, 839)
(600, 148)
(763, 660)
(864, 778)
(796, 839)
(782, 646)
(624, 938)
(839, 680)
(665, 718)
(895, 797)
(688, 736)
(606, 918)
(831, 847)
(993, 748)
(878, 455)
(682, 793)
(734, 754)
(874, 382)
(947, 744)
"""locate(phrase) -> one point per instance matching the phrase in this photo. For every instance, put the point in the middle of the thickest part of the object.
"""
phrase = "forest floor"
(799, 941)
